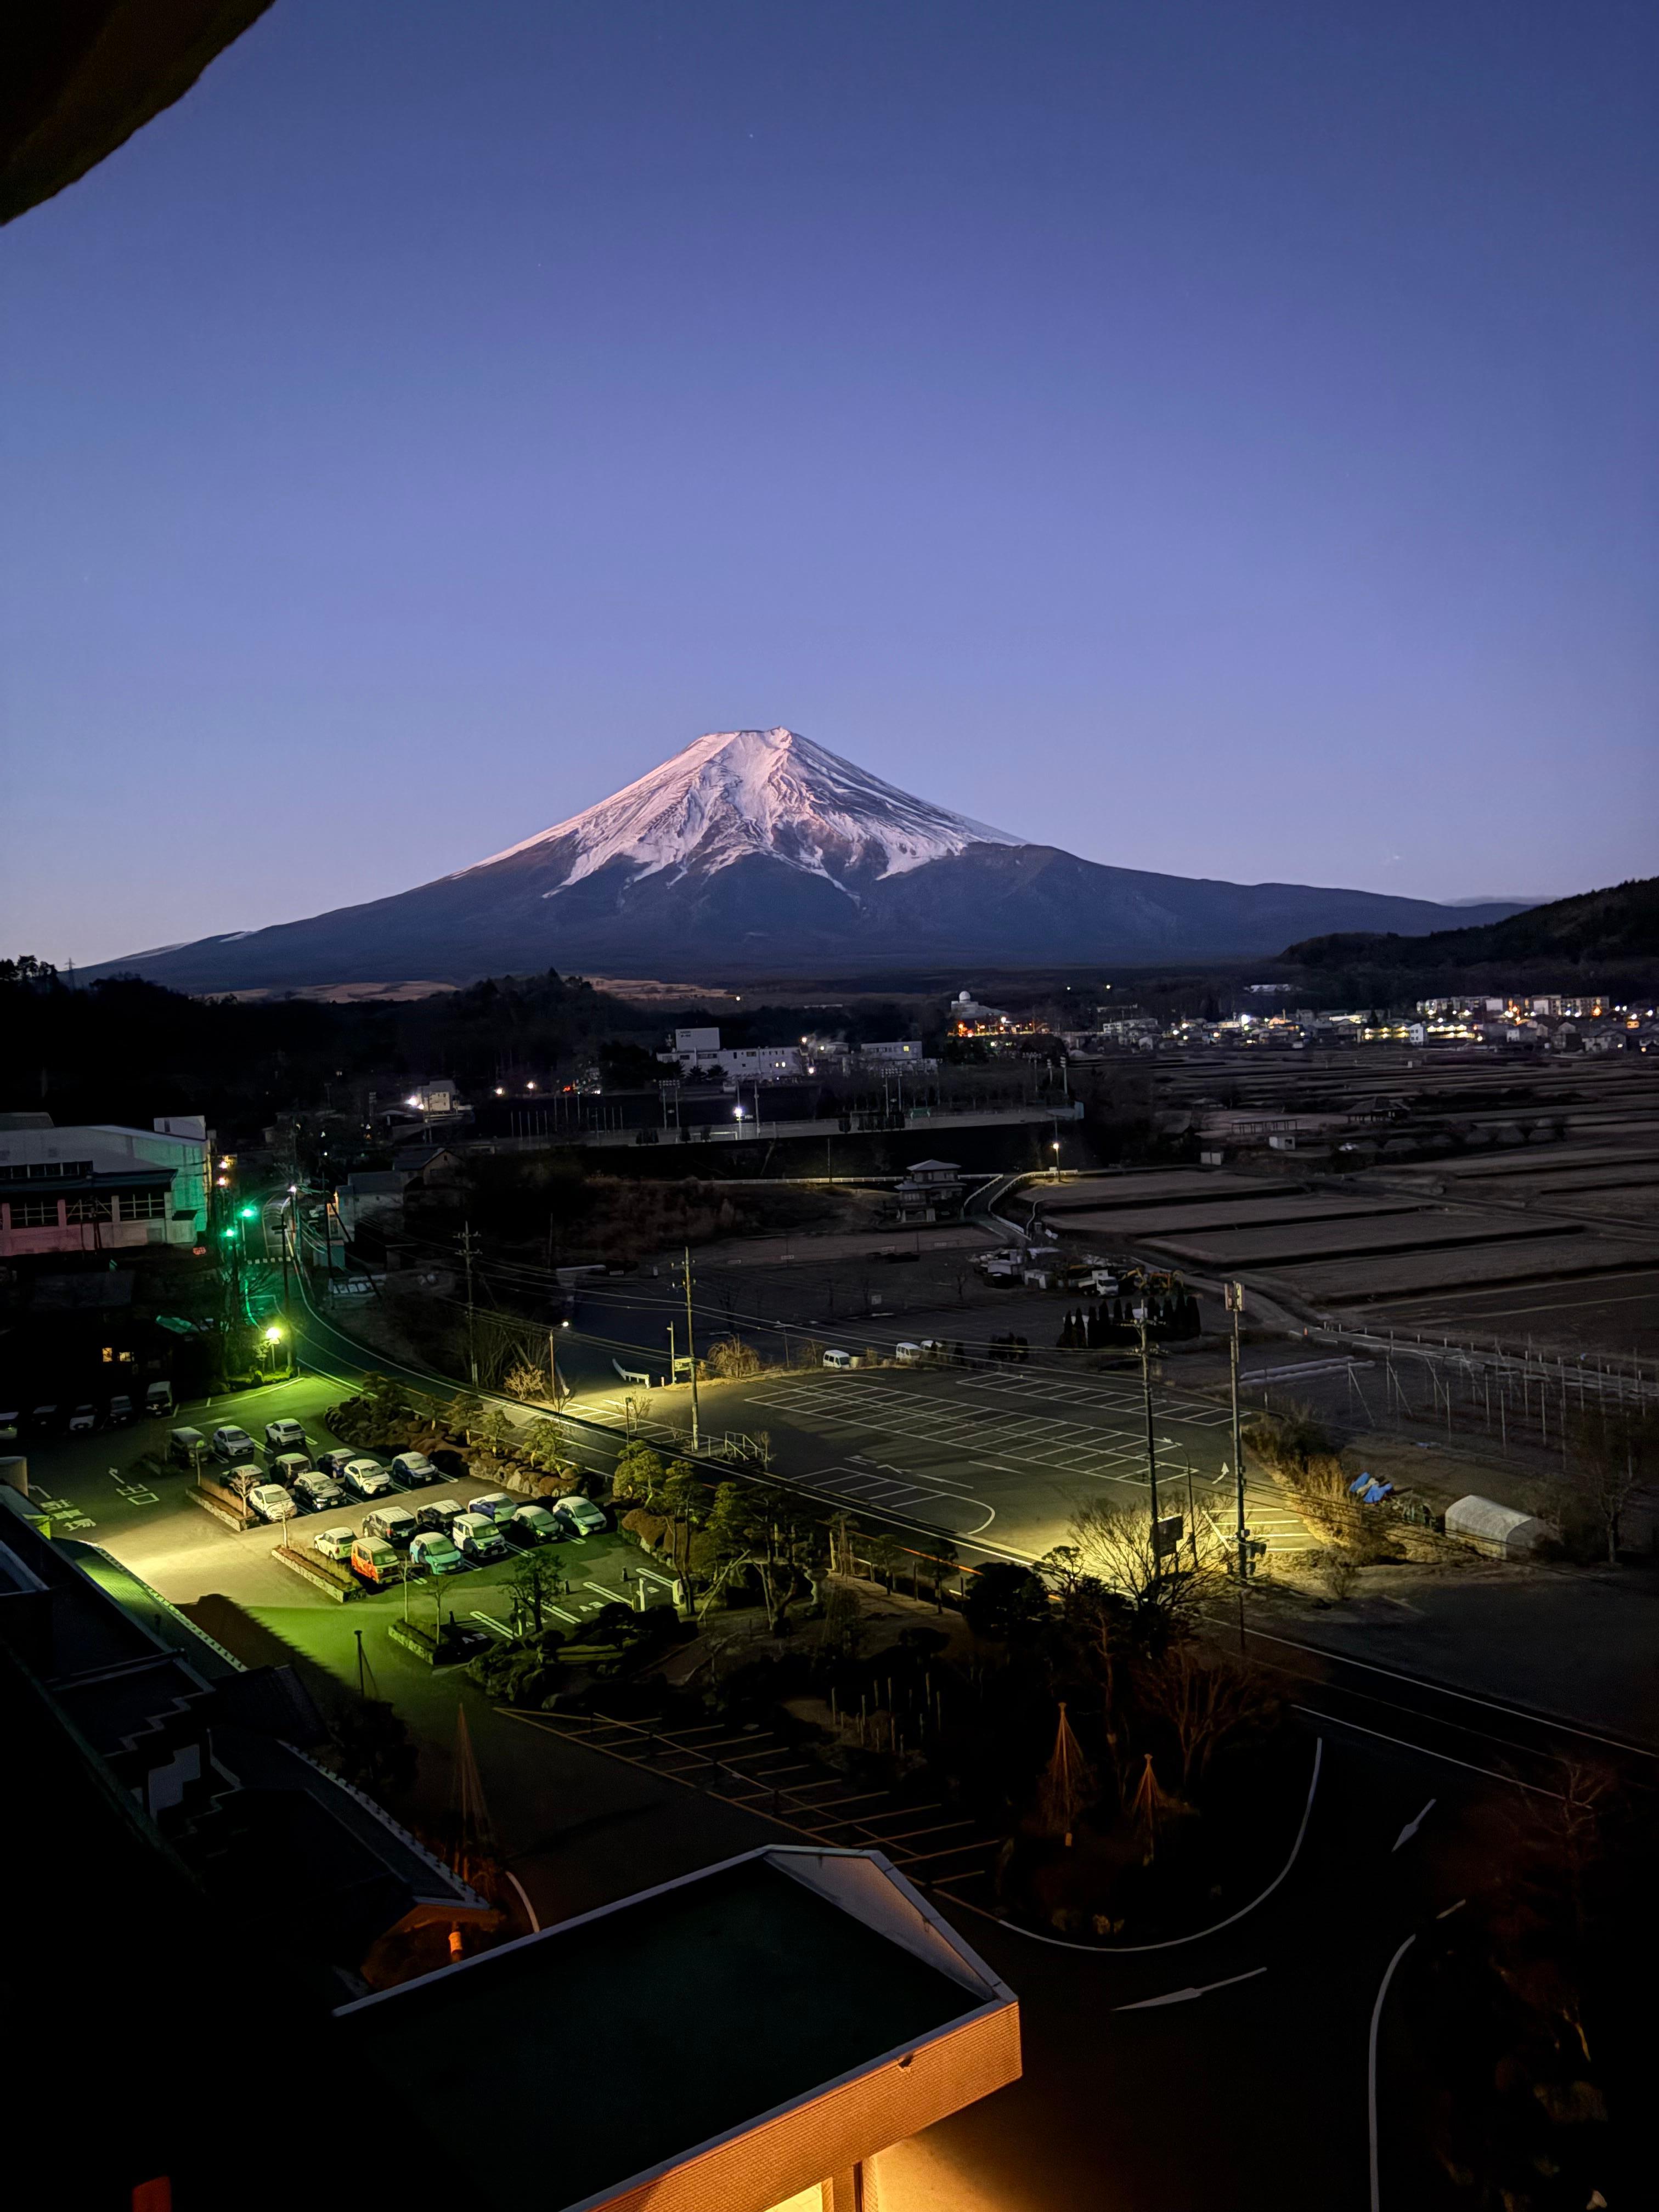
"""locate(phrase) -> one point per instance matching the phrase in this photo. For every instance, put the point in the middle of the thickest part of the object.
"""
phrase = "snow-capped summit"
(738, 794)
(757, 852)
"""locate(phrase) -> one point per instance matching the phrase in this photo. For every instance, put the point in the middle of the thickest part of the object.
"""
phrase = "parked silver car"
(367, 1478)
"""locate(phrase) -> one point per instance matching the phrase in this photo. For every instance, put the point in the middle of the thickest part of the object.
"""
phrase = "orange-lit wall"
(761, 2168)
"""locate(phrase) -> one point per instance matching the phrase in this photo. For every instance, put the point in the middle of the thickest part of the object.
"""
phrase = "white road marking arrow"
(1412, 1826)
(1182, 1996)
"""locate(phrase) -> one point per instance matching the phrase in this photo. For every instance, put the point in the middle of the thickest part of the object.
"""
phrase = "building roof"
(711, 2008)
(414, 1158)
(138, 1682)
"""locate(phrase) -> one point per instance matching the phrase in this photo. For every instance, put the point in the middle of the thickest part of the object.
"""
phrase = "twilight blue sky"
(1215, 435)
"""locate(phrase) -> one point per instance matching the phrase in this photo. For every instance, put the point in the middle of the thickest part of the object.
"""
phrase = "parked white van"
(907, 1355)
(833, 1359)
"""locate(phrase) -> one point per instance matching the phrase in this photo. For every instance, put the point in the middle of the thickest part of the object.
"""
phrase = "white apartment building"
(701, 1048)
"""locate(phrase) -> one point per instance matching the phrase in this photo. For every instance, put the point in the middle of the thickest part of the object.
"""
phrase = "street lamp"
(1055, 1149)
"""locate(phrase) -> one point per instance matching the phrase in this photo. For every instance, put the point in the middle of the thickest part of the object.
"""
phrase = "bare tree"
(1616, 1459)
(1112, 1544)
(1207, 1698)
(733, 1360)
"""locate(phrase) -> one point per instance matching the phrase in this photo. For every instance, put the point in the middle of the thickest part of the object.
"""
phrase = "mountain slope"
(1619, 923)
(757, 851)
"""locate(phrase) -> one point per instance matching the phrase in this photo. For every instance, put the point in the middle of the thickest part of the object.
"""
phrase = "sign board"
(1166, 1535)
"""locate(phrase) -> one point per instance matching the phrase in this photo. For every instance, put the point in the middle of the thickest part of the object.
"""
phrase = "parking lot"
(973, 1452)
(104, 1488)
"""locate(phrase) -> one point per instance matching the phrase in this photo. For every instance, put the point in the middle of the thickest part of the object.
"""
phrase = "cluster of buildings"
(699, 1052)
(1550, 1025)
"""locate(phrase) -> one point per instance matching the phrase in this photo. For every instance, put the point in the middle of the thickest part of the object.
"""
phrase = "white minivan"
(833, 1359)
(907, 1355)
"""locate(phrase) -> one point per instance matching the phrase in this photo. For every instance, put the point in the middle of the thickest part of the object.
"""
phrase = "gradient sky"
(1213, 437)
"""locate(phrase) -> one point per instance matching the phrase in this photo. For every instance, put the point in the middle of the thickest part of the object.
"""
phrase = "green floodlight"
(250, 1213)
(227, 1233)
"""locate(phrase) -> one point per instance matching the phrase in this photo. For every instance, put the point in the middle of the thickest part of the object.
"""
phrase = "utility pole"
(465, 1240)
(1234, 1294)
(1151, 1440)
(691, 1352)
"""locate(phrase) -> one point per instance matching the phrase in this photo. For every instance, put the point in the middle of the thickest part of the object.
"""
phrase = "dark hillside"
(1619, 924)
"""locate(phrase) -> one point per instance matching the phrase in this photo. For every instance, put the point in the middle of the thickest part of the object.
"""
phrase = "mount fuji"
(758, 852)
